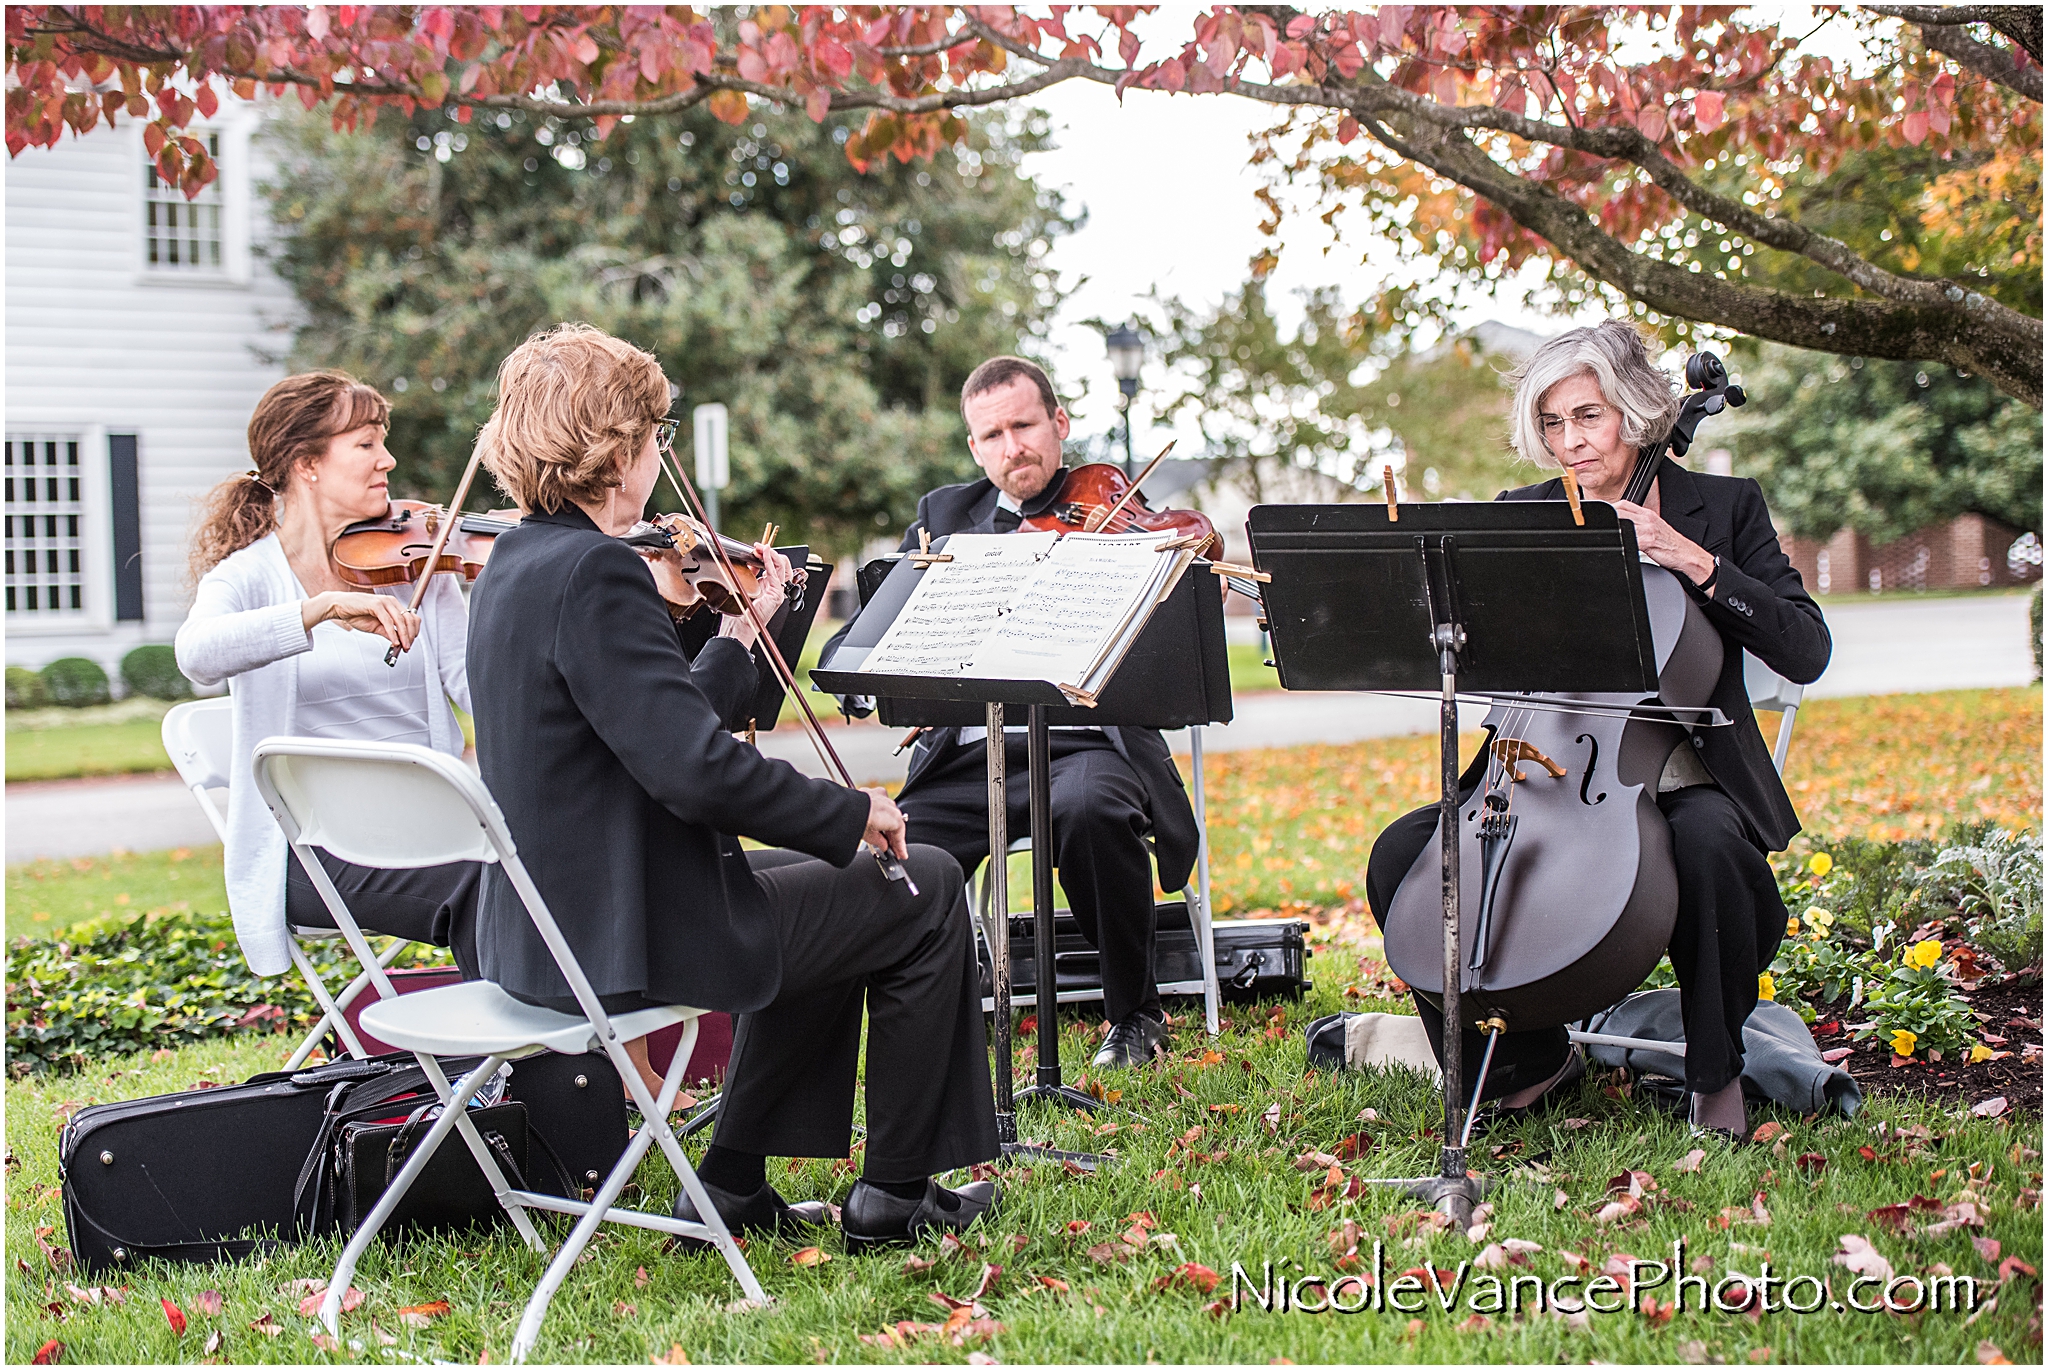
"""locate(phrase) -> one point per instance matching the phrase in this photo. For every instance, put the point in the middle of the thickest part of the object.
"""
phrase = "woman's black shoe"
(1133, 1042)
(762, 1212)
(872, 1218)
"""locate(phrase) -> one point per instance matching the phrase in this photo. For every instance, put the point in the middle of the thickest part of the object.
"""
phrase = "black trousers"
(433, 904)
(1099, 824)
(852, 940)
(1730, 921)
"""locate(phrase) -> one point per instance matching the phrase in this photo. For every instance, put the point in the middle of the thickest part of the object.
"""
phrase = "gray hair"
(1613, 354)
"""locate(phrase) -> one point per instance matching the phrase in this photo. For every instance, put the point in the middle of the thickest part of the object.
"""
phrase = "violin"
(690, 575)
(1100, 498)
(398, 548)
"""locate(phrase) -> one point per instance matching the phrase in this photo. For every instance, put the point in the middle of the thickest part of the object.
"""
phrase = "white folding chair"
(397, 807)
(1199, 920)
(1767, 690)
(199, 736)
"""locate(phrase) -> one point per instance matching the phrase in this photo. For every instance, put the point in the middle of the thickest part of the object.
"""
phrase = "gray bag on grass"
(1780, 1062)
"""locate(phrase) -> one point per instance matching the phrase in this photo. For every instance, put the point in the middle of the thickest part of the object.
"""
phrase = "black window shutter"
(127, 506)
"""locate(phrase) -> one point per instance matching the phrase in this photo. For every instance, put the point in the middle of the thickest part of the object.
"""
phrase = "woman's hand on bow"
(363, 612)
(886, 827)
(1665, 545)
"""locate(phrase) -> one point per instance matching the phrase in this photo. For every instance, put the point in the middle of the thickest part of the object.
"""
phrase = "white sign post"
(714, 473)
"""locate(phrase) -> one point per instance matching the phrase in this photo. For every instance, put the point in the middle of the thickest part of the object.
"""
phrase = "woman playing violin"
(303, 653)
(611, 754)
(1590, 400)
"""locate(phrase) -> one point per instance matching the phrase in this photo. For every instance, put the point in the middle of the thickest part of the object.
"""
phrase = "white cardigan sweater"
(245, 628)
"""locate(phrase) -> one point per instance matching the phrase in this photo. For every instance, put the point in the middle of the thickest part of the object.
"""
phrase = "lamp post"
(1126, 355)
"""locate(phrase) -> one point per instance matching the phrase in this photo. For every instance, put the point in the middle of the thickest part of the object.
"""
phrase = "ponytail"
(293, 422)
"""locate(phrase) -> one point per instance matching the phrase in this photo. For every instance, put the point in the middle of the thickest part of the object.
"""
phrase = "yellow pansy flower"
(1903, 1042)
(1922, 955)
(1820, 918)
(1766, 987)
(1980, 1052)
(1791, 927)
(1821, 863)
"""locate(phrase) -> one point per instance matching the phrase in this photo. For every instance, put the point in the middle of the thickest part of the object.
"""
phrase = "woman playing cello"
(1590, 400)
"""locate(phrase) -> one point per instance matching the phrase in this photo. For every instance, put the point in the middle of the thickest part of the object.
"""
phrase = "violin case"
(1256, 958)
(214, 1174)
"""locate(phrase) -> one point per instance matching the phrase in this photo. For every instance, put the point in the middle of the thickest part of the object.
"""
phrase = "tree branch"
(2020, 23)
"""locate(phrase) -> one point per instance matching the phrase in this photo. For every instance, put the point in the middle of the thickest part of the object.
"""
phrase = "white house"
(139, 332)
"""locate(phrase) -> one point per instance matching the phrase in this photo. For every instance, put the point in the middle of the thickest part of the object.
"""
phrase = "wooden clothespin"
(768, 532)
(1224, 568)
(1181, 543)
(1078, 696)
(924, 556)
(1571, 493)
(1393, 500)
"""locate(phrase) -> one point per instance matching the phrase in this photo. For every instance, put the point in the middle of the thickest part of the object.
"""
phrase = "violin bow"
(454, 512)
(892, 868)
(1132, 493)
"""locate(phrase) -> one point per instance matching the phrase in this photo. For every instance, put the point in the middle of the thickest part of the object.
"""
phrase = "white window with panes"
(181, 235)
(46, 528)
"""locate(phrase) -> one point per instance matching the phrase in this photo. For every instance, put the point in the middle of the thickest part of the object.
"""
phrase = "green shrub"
(75, 682)
(109, 986)
(153, 671)
(25, 689)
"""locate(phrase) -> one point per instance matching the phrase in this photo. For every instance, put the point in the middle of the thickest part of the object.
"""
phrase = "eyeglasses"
(1585, 418)
(665, 435)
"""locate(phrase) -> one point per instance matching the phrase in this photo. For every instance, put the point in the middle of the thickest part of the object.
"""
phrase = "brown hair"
(575, 406)
(997, 372)
(293, 422)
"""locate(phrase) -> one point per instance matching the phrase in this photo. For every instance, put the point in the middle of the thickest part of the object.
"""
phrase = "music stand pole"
(998, 931)
(1453, 1190)
(1046, 1083)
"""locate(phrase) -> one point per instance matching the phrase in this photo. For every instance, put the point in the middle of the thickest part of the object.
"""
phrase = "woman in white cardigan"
(303, 654)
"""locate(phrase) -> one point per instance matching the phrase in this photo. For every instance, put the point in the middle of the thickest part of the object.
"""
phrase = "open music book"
(1031, 606)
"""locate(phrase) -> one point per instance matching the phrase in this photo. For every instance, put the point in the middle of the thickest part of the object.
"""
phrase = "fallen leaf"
(622, 1309)
(641, 1278)
(1077, 1226)
(810, 1255)
(1690, 1162)
(1197, 1277)
(1811, 1162)
(1990, 1108)
(207, 1302)
(326, 1343)
(676, 1355)
(267, 1325)
(1859, 1257)
(49, 1353)
(1767, 1132)
(1834, 1054)
(1109, 1253)
(310, 1305)
(1271, 1117)
(1058, 1286)
(1987, 1247)
(917, 1265)
(1989, 1354)
(1559, 1201)
(1574, 1124)
(174, 1315)
(991, 1276)
(213, 1341)
(2012, 1264)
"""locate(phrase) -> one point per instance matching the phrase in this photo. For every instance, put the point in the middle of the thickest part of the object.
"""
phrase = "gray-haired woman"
(1592, 400)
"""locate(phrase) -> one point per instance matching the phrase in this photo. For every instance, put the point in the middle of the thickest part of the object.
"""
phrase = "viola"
(1100, 498)
(398, 548)
(691, 575)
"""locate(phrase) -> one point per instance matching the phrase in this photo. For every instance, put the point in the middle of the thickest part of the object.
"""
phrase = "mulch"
(2008, 1011)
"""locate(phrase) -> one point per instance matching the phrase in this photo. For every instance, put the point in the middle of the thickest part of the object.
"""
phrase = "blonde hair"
(575, 407)
(293, 422)
(1614, 354)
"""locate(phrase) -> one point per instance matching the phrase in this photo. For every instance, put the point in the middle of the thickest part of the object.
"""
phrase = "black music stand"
(1176, 675)
(1442, 599)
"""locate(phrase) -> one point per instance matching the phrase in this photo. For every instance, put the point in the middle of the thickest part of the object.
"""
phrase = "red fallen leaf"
(641, 1278)
(1197, 1277)
(1920, 1203)
(1834, 1054)
(326, 1343)
(1657, 1314)
(350, 1301)
(1811, 1162)
(1867, 1153)
(1077, 1226)
(421, 1310)
(917, 1265)
(1352, 1147)
(49, 1353)
(1109, 1253)
(1058, 1286)
(1987, 1247)
(1897, 1217)
(951, 1246)
(1767, 1132)
(809, 1255)
(2013, 1264)
(207, 1302)
(1478, 1322)
(991, 1275)
(174, 1315)
(267, 1325)
(1826, 1029)
(1030, 1024)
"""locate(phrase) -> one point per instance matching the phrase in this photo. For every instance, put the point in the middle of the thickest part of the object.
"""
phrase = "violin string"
(816, 730)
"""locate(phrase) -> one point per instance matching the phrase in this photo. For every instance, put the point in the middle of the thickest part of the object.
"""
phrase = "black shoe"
(872, 1218)
(761, 1213)
(1133, 1042)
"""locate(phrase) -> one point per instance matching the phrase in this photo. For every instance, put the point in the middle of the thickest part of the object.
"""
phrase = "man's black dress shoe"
(761, 1212)
(872, 1218)
(1134, 1041)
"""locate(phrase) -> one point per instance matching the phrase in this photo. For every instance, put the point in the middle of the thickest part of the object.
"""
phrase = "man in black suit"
(1111, 787)
(611, 755)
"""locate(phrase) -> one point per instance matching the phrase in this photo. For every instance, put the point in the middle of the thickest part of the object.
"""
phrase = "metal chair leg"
(331, 1014)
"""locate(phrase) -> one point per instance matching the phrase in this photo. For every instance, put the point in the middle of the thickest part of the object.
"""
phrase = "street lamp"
(1126, 355)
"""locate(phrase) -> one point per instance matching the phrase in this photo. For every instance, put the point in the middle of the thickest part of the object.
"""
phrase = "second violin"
(688, 572)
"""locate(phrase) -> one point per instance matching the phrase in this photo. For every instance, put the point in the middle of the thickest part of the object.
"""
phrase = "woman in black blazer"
(611, 754)
(1590, 399)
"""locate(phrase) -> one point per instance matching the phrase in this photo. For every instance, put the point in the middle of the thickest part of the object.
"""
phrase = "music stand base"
(1036, 1151)
(1057, 1093)
(1454, 1196)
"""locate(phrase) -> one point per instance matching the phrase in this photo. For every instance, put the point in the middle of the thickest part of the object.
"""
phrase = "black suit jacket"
(609, 752)
(971, 508)
(1757, 602)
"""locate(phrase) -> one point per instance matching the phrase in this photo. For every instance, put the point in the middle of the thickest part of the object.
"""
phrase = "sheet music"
(1077, 605)
(957, 602)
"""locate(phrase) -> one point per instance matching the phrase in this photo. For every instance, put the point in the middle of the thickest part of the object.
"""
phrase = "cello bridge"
(1512, 751)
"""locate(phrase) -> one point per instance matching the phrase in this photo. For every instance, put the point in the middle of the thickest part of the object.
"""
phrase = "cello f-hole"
(1592, 761)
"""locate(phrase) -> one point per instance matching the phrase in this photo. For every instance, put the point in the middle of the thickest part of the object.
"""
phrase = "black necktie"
(1007, 520)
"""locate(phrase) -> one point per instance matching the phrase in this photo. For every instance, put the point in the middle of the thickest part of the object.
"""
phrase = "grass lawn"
(46, 896)
(106, 739)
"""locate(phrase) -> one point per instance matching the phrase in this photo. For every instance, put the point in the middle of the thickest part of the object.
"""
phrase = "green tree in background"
(1319, 414)
(835, 314)
(1882, 447)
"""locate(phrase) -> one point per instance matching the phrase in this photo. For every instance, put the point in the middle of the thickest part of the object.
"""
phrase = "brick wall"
(1964, 552)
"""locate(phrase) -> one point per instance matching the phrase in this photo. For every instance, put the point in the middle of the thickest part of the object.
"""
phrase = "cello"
(1577, 892)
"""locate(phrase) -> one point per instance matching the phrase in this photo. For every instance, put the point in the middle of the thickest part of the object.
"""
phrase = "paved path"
(1881, 647)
